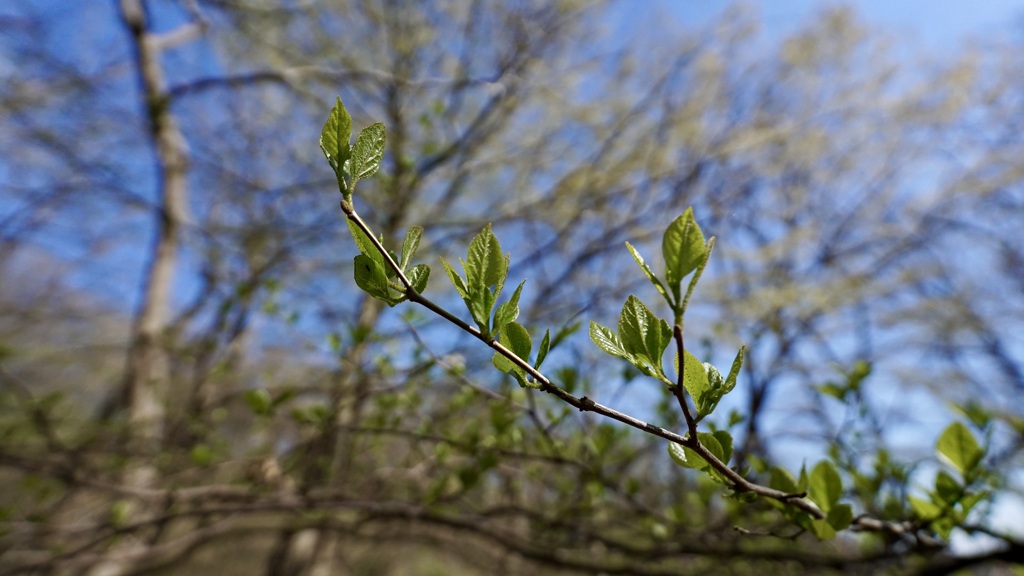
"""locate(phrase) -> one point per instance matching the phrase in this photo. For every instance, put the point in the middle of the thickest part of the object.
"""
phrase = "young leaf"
(683, 249)
(418, 276)
(643, 334)
(695, 380)
(485, 265)
(365, 245)
(457, 281)
(925, 509)
(368, 151)
(957, 446)
(508, 311)
(947, 488)
(650, 274)
(734, 371)
(781, 479)
(607, 340)
(334, 139)
(480, 304)
(725, 441)
(826, 486)
(409, 245)
(840, 516)
(822, 529)
(542, 352)
(516, 338)
(685, 457)
(371, 278)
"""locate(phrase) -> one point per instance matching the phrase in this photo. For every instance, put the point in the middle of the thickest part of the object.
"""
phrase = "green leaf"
(947, 488)
(826, 487)
(734, 371)
(371, 278)
(924, 509)
(516, 338)
(650, 274)
(418, 276)
(714, 443)
(685, 457)
(958, 447)
(409, 245)
(481, 302)
(683, 248)
(542, 352)
(695, 380)
(368, 151)
(822, 529)
(485, 265)
(725, 441)
(508, 311)
(457, 281)
(969, 500)
(840, 516)
(365, 245)
(780, 479)
(334, 140)
(643, 334)
(607, 340)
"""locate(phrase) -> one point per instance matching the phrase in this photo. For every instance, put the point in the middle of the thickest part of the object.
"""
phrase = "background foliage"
(190, 379)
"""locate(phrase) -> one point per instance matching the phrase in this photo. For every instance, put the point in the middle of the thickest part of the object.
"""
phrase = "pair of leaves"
(824, 486)
(351, 163)
(516, 338)
(485, 267)
(718, 443)
(641, 339)
(375, 276)
(705, 384)
(684, 249)
(950, 502)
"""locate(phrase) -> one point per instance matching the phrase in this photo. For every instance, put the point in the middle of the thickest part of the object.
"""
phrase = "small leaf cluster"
(377, 278)
(351, 163)
(377, 272)
(641, 338)
(486, 269)
(951, 500)
(824, 486)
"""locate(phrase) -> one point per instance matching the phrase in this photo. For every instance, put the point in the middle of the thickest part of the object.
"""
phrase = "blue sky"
(931, 26)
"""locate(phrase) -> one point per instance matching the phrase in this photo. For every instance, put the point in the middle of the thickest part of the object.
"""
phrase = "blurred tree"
(165, 208)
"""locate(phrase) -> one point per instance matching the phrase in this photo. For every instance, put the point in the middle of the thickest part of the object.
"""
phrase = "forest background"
(189, 377)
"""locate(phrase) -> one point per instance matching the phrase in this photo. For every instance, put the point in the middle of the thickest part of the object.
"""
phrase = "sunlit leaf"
(542, 351)
(335, 136)
(368, 151)
(508, 311)
(418, 276)
(695, 380)
(457, 281)
(826, 487)
(958, 447)
(840, 516)
(607, 340)
(647, 271)
(409, 246)
(683, 248)
(485, 265)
